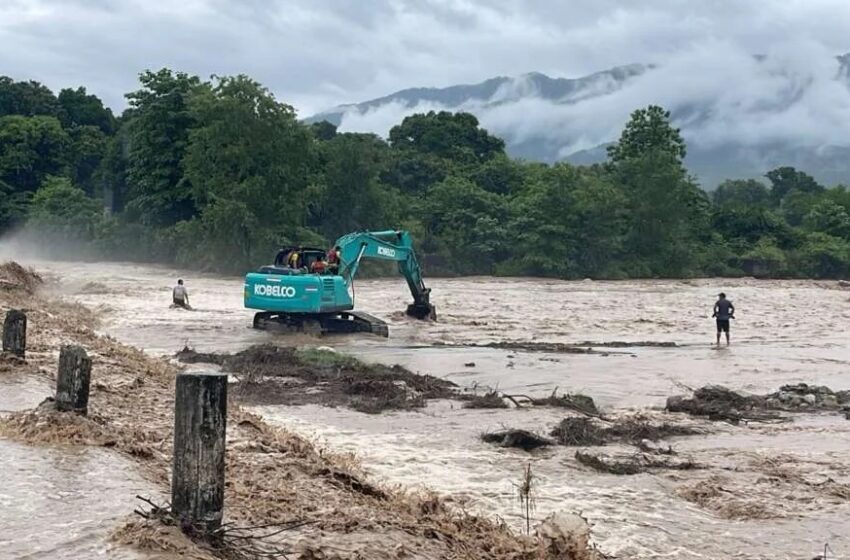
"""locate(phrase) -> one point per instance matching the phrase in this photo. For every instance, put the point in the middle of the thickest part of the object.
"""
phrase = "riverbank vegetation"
(217, 174)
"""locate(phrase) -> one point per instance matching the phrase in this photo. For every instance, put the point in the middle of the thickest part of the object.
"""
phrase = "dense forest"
(217, 174)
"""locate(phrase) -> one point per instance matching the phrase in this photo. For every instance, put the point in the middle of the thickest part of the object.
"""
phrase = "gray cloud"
(319, 53)
(720, 93)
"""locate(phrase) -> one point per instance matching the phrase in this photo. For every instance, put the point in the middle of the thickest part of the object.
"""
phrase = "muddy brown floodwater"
(771, 490)
(60, 502)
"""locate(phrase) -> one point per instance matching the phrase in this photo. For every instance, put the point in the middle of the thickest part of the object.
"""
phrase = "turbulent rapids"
(769, 478)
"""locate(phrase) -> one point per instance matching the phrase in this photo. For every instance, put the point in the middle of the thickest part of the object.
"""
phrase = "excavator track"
(322, 323)
(364, 320)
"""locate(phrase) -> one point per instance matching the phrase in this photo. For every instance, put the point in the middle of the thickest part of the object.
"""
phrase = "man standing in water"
(181, 296)
(723, 311)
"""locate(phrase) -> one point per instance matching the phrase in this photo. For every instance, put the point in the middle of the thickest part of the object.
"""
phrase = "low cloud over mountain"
(740, 114)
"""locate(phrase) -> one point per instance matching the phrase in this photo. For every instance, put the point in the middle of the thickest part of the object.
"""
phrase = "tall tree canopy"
(31, 148)
(218, 174)
(247, 162)
(26, 98)
(648, 130)
(453, 136)
(78, 108)
(159, 121)
(666, 207)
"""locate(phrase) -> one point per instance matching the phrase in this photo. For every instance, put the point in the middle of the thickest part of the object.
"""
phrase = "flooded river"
(62, 502)
(785, 332)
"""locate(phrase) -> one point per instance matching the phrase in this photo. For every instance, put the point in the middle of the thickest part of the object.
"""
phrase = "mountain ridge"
(771, 114)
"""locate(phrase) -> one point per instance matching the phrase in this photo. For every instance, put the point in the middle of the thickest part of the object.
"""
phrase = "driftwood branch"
(235, 542)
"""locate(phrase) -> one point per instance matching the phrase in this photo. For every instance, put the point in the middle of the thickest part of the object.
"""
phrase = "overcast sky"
(318, 53)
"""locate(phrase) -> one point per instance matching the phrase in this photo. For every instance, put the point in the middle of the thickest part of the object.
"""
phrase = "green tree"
(741, 193)
(787, 180)
(666, 208)
(500, 175)
(452, 136)
(765, 257)
(828, 217)
(230, 232)
(466, 224)
(840, 195)
(13, 206)
(31, 148)
(158, 125)
(648, 131)
(350, 197)
(796, 205)
(63, 211)
(746, 225)
(569, 223)
(79, 108)
(823, 256)
(600, 217)
(323, 130)
(26, 99)
(87, 149)
(414, 173)
(110, 178)
(248, 148)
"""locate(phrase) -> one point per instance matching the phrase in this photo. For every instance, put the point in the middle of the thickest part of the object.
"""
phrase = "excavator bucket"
(422, 311)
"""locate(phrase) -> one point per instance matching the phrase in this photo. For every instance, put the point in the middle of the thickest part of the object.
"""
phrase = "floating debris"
(635, 429)
(720, 403)
(269, 374)
(521, 439)
(632, 430)
(578, 402)
(587, 347)
(632, 464)
(578, 431)
(490, 399)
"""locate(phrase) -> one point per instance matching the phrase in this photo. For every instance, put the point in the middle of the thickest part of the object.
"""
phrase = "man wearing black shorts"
(723, 311)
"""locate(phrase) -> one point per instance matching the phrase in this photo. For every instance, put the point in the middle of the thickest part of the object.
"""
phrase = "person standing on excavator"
(318, 266)
(333, 260)
(294, 259)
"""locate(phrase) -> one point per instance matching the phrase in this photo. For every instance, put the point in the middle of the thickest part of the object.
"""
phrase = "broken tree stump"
(15, 333)
(72, 381)
(197, 476)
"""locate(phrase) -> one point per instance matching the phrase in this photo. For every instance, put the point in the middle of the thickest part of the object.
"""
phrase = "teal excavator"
(317, 303)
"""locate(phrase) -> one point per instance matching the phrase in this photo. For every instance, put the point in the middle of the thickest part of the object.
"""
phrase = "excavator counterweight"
(290, 297)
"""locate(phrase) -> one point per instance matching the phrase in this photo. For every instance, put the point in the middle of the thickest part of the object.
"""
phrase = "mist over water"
(786, 332)
(28, 244)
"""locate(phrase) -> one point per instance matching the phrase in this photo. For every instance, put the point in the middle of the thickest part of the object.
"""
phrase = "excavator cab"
(306, 257)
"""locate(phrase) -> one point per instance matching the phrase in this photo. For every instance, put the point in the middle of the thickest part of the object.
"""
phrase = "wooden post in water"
(197, 476)
(15, 333)
(72, 381)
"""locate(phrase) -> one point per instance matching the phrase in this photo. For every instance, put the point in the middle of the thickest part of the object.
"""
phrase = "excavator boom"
(394, 246)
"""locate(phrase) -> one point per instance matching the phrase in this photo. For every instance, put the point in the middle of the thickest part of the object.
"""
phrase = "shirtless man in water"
(180, 296)
(723, 311)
